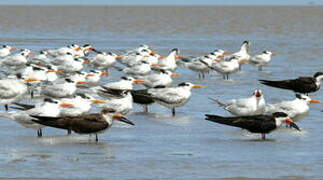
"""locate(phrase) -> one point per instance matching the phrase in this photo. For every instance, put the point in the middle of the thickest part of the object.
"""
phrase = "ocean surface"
(186, 146)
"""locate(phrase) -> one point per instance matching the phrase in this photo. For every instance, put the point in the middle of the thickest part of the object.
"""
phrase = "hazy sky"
(161, 2)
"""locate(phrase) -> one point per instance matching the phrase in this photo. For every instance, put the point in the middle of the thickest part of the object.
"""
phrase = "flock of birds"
(68, 82)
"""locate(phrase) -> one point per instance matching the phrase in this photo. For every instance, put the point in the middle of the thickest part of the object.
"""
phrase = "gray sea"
(186, 146)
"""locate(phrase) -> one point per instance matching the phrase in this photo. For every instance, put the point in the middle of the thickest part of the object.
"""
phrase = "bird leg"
(69, 132)
(173, 111)
(263, 136)
(6, 107)
(259, 68)
(32, 94)
(96, 138)
(203, 76)
(146, 108)
(39, 133)
(223, 76)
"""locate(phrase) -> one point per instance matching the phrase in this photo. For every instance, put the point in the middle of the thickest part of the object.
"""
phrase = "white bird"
(6, 50)
(16, 60)
(12, 90)
(61, 90)
(131, 59)
(94, 76)
(41, 58)
(62, 59)
(173, 97)
(169, 62)
(49, 108)
(78, 105)
(243, 54)
(103, 60)
(72, 66)
(296, 109)
(200, 65)
(254, 105)
(122, 104)
(262, 59)
(126, 83)
(140, 69)
(160, 78)
(225, 67)
(63, 50)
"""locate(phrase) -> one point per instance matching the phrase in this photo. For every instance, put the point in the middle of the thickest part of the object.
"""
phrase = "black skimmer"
(263, 124)
(87, 124)
(302, 85)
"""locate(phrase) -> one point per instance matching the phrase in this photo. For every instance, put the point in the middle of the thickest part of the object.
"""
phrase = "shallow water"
(186, 146)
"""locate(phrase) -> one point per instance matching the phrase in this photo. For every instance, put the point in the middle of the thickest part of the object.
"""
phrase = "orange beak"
(221, 56)
(78, 49)
(153, 52)
(32, 52)
(81, 82)
(217, 60)
(273, 54)
(98, 101)
(91, 49)
(31, 80)
(104, 73)
(12, 49)
(175, 75)
(55, 71)
(90, 75)
(162, 57)
(138, 80)
(315, 101)
(179, 57)
(65, 105)
(119, 57)
(198, 86)
(86, 62)
(227, 52)
(118, 116)
(155, 65)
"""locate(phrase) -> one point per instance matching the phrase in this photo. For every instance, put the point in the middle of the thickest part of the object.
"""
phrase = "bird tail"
(221, 104)
(278, 84)
(219, 119)
(6, 114)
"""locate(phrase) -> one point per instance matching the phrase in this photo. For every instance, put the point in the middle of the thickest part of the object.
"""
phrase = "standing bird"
(302, 85)
(263, 124)
(243, 54)
(87, 124)
(173, 97)
(254, 105)
(12, 90)
(262, 59)
(65, 89)
(296, 109)
(49, 107)
(225, 67)
(5, 51)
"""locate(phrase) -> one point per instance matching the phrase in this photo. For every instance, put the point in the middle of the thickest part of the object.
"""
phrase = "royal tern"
(296, 109)
(225, 67)
(61, 90)
(159, 78)
(243, 54)
(302, 85)
(104, 60)
(48, 107)
(5, 51)
(86, 124)
(173, 97)
(126, 83)
(12, 90)
(262, 59)
(263, 124)
(254, 105)
(169, 62)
